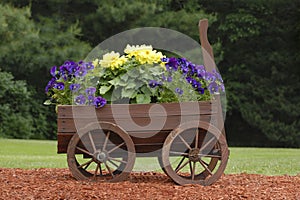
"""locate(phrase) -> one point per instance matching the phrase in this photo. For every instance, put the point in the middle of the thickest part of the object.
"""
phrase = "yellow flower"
(143, 54)
(115, 64)
(132, 49)
(96, 62)
(112, 60)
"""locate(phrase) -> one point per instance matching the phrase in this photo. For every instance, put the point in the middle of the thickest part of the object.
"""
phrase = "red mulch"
(59, 184)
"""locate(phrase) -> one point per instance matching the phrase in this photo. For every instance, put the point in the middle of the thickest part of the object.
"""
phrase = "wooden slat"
(140, 124)
(63, 139)
(137, 110)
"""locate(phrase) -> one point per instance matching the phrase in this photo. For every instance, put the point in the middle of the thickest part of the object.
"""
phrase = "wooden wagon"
(187, 138)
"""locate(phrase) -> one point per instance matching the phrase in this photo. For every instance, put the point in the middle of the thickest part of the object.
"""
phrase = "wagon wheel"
(101, 151)
(195, 153)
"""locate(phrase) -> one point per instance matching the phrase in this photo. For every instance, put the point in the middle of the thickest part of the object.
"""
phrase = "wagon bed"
(142, 124)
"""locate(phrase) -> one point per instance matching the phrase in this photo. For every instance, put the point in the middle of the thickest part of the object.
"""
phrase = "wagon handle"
(209, 63)
(207, 51)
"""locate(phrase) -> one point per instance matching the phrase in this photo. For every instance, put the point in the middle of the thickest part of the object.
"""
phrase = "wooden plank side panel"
(137, 124)
(137, 110)
(139, 139)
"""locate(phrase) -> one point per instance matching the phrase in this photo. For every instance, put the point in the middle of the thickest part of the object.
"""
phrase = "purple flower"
(69, 64)
(99, 102)
(164, 59)
(184, 69)
(50, 85)
(222, 87)
(192, 68)
(153, 83)
(179, 91)
(81, 71)
(196, 84)
(91, 100)
(189, 80)
(74, 87)
(163, 78)
(200, 70)
(59, 86)
(88, 65)
(213, 87)
(218, 76)
(210, 77)
(73, 69)
(53, 71)
(200, 90)
(169, 79)
(172, 64)
(80, 99)
(90, 91)
(183, 62)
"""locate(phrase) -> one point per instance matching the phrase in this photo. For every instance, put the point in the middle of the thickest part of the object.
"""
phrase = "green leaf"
(127, 93)
(104, 89)
(47, 102)
(131, 85)
(142, 99)
(146, 91)
(133, 73)
(124, 77)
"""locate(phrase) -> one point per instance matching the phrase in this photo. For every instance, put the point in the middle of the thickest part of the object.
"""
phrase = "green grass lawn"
(42, 154)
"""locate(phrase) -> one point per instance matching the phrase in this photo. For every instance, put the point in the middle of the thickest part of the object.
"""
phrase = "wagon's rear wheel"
(195, 153)
(101, 151)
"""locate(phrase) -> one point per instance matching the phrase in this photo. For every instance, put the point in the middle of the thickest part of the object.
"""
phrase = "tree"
(261, 54)
(28, 50)
(16, 120)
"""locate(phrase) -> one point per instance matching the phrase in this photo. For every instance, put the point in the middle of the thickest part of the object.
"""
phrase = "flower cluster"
(196, 76)
(66, 85)
(140, 75)
(143, 54)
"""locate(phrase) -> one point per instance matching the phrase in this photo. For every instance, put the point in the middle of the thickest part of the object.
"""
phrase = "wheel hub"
(194, 154)
(100, 156)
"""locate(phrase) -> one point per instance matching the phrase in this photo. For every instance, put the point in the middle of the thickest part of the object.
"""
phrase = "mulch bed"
(59, 184)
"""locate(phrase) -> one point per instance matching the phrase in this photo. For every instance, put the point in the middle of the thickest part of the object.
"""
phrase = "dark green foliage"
(261, 67)
(28, 50)
(15, 118)
(256, 42)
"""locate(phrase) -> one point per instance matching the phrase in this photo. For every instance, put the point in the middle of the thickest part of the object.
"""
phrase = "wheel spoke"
(180, 163)
(87, 166)
(84, 151)
(197, 138)
(92, 142)
(206, 168)
(96, 170)
(113, 163)
(186, 144)
(182, 166)
(179, 153)
(109, 170)
(205, 163)
(116, 147)
(100, 169)
(121, 161)
(105, 142)
(86, 163)
(193, 170)
(207, 144)
(208, 155)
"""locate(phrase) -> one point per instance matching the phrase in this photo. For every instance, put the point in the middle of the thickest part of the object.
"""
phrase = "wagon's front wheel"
(195, 153)
(101, 152)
